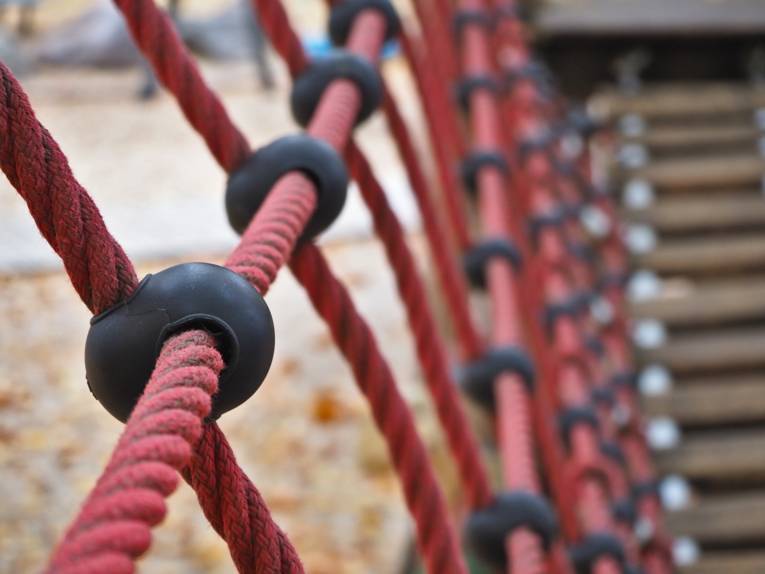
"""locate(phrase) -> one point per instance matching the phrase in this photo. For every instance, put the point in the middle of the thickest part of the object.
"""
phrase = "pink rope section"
(65, 214)
(114, 525)
(436, 539)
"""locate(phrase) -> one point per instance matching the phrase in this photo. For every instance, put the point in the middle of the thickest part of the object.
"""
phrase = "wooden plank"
(702, 173)
(732, 562)
(651, 17)
(693, 213)
(721, 350)
(733, 518)
(716, 304)
(727, 400)
(665, 101)
(691, 137)
(732, 457)
(709, 255)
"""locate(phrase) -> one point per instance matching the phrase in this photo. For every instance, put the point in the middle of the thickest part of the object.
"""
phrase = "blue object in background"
(319, 46)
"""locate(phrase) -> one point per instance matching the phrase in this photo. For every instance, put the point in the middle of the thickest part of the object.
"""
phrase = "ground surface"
(305, 439)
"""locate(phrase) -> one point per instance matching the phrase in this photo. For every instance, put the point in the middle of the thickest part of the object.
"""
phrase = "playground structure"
(537, 230)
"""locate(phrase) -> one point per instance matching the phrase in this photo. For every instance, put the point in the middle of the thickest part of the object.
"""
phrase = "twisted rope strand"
(436, 539)
(113, 527)
(66, 216)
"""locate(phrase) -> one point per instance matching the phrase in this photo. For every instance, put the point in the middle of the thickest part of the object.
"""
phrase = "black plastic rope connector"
(468, 84)
(579, 121)
(645, 489)
(487, 529)
(344, 14)
(571, 307)
(612, 280)
(478, 159)
(124, 342)
(476, 259)
(477, 377)
(595, 346)
(532, 70)
(612, 451)
(583, 252)
(309, 86)
(554, 218)
(603, 395)
(540, 143)
(623, 510)
(624, 379)
(464, 17)
(595, 546)
(574, 416)
(249, 185)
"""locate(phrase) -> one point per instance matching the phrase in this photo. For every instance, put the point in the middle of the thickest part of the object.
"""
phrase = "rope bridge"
(513, 213)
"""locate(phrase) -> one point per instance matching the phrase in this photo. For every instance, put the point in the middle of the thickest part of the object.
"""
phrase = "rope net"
(550, 373)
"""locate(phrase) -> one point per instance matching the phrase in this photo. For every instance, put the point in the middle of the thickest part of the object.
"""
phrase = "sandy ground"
(305, 439)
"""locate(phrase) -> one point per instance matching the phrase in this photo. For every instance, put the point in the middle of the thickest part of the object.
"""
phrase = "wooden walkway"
(707, 213)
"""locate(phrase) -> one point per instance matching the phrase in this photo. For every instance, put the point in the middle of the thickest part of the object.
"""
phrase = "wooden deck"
(656, 17)
(708, 215)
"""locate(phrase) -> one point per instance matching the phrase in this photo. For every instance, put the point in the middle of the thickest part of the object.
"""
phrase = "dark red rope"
(437, 541)
(435, 104)
(154, 33)
(451, 277)
(236, 509)
(65, 214)
(430, 347)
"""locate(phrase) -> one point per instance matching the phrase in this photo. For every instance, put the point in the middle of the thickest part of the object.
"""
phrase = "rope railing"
(545, 368)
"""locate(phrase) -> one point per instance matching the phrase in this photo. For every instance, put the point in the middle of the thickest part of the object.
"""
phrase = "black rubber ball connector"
(623, 510)
(539, 222)
(574, 416)
(465, 87)
(124, 342)
(476, 259)
(338, 65)
(251, 183)
(487, 529)
(596, 546)
(464, 17)
(612, 451)
(344, 14)
(477, 377)
(477, 160)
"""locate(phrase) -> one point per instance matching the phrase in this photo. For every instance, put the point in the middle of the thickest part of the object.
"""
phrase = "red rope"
(435, 104)
(113, 526)
(236, 509)
(452, 280)
(65, 214)
(154, 33)
(493, 207)
(437, 541)
(430, 348)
